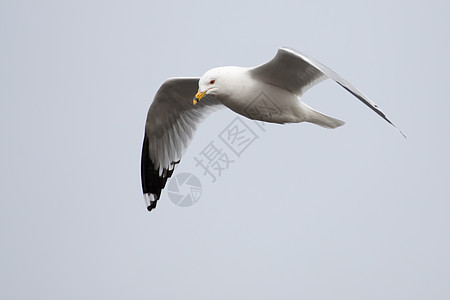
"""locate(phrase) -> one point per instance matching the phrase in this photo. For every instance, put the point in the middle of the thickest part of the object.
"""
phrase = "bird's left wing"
(171, 124)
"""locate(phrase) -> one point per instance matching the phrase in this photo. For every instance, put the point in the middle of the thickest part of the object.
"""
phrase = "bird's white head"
(209, 84)
(218, 82)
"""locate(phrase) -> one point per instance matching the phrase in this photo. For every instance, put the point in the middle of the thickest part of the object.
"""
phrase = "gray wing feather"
(171, 124)
(289, 71)
(172, 120)
(297, 72)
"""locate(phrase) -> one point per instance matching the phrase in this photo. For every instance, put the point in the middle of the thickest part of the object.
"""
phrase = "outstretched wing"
(296, 72)
(171, 124)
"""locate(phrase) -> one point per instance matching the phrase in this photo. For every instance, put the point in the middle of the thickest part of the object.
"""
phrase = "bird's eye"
(212, 81)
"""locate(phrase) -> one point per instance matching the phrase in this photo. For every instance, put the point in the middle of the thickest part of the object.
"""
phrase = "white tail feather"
(313, 116)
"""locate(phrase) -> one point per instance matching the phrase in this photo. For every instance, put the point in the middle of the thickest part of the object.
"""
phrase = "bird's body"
(270, 92)
(238, 89)
(245, 89)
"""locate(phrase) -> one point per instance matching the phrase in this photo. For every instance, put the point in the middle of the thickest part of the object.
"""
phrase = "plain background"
(353, 213)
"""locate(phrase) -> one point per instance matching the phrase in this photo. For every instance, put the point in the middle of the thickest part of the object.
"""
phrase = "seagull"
(182, 103)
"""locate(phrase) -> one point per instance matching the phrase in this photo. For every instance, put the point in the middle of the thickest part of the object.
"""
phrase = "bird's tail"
(313, 116)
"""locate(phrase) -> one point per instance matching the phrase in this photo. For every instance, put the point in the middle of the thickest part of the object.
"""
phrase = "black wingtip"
(152, 181)
(372, 106)
(389, 121)
(151, 200)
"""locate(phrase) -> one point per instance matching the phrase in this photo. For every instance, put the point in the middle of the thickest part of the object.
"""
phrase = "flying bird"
(182, 103)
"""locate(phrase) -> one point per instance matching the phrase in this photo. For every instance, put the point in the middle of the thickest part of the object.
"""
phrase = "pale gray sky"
(353, 213)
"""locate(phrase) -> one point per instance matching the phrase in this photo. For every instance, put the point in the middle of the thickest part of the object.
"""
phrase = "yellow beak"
(198, 96)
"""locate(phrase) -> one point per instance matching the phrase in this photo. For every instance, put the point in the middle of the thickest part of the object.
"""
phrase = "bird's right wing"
(171, 124)
(297, 72)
